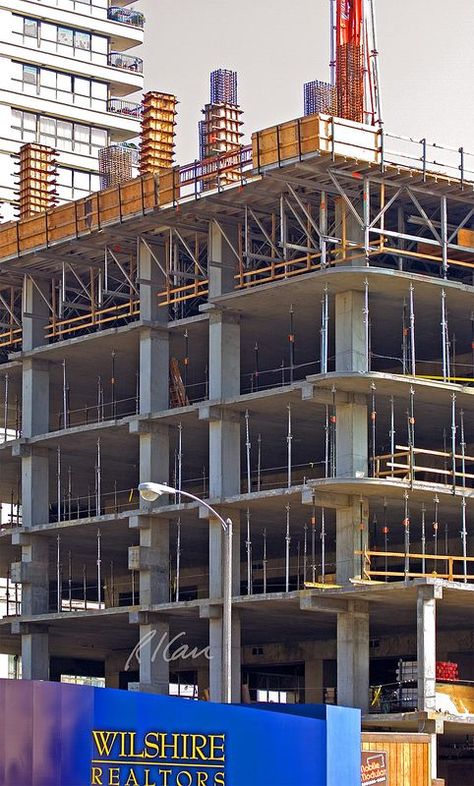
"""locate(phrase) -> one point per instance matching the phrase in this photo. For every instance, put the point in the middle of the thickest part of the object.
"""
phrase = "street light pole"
(150, 492)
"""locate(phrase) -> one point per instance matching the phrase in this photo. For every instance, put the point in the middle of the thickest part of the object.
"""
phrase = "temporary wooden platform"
(405, 759)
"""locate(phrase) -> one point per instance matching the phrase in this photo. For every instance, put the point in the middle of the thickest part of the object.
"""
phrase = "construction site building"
(68, 69)
(294, 347)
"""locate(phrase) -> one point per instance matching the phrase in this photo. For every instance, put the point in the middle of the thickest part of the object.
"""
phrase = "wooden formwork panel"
(408, 757)
(285, 141)
(169, 185)
(84, 215)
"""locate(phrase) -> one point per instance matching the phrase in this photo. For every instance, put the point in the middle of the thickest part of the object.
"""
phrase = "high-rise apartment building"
(67, 70)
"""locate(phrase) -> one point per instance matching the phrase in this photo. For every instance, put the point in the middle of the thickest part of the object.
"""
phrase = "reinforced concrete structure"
(296, 348)
(66, 74)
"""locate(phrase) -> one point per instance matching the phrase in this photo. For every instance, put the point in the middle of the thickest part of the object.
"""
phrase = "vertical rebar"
(313, 544)
(289, 440)
(65, 413)
(367, 325)
(58, 482)
(264, 561)
(58, 572)
(99, 570)
(287, 550)
(5, 410)
(406, 524)
(412, 331)
(435, 524)
(259, 462)
(323, 545)
(392, 431)
(178, 558)
(248, 546)
(373, 420)
(247, 448)
(464, 536)
(98, 480)
(324, 331)
(69, 579)
(291, 341)
(423, 538)
(453, 439)
(180, 459)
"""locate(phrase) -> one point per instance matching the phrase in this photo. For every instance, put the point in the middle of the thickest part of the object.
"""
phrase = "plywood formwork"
(37, 179)
(158, 132)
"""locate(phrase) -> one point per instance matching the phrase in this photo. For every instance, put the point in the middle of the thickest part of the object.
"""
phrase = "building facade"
(65, 79)
(296, 349)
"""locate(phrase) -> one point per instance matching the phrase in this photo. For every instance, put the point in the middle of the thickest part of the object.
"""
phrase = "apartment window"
(30, 28)
(24, 126)
(30, 75)
(75, 38)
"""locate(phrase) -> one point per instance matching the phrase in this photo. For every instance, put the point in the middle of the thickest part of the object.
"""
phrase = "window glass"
(64, 83)
(30, 28)
(30, 74)
(81, 180)
(99, 90)
(100, 44)
(64, 129)
(64, 177)
(48, 32)
(99, 137)
(82, 86)
(29, 121)
(47, 125)
(82, 40)
(65, 36)
(48, 78)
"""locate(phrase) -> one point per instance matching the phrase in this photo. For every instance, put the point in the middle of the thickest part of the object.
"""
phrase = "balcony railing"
(126, 108)
(126, 16)
(126, 62)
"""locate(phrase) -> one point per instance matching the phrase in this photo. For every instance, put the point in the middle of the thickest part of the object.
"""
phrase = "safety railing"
(126, 62)
(126, 16)
(380, 565)
(125, 108)
(404, 464)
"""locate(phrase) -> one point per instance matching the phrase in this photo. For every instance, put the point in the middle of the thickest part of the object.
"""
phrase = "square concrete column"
(350, 332)
(426, 646)
(353, 656)
(222, 258)
(352, 438)
(151, 264)
(34, 485)
(151, 560)
(35, 397)
(313, 681)
(34, 653)
(352, 525)
(224, 481)
(35, 312)
(33, 575)
(154, 370)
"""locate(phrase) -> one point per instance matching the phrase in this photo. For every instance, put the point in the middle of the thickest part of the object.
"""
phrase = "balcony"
(125, 62)
(126, 16)
(124, 108)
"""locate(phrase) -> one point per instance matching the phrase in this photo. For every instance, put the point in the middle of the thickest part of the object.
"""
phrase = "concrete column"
(34, 485)
(222, 260)
(154, 370)
(35, 655)
(352, 439)
(154, 666)
(352, 524)
(203, 680)
(35, 312)
(313, 681)
(426, 647)
(113, 665)
(351, 349)
(353, 656)
(35, 397)
(32, 574)
(224, 478)
(152, 281)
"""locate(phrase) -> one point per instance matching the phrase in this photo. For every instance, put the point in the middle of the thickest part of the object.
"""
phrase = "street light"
(150, 492)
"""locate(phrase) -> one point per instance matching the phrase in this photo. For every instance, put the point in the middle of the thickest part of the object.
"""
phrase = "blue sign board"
(53, 734)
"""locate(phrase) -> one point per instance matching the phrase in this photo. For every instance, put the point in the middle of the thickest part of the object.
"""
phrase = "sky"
(425, 49)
